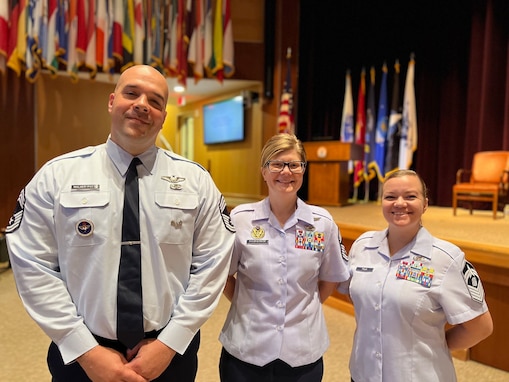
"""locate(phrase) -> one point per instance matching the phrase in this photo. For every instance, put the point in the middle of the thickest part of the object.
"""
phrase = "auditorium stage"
(477, 234)
(483, 238)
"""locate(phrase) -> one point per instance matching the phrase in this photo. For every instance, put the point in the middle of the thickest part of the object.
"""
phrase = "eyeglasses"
(296, 167)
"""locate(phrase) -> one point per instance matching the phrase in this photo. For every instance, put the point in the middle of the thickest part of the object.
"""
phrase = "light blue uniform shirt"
(400, 332)
(64, 241)
(276, 311)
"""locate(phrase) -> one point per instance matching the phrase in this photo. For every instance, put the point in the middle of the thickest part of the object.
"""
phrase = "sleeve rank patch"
(344, 254)
(223, 209)
(473, 282)
(17, 216)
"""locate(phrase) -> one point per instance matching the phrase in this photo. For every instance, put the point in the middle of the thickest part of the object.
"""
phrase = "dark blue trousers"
(232, 369)
(182, 368)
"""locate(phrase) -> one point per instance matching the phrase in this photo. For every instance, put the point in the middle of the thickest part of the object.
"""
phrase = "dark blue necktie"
(129, 299)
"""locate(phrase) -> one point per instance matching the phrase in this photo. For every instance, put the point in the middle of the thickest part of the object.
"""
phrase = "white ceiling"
(205, 88)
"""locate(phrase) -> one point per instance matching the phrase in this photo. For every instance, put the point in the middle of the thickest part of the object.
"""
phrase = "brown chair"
(487, 181)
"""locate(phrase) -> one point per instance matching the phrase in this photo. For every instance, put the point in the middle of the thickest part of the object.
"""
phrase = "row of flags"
(388, 133)
(180, 38)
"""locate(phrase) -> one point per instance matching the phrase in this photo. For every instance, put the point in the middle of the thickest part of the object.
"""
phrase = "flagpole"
(366, 190)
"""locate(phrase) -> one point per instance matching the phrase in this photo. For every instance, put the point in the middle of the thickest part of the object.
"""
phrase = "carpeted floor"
(23, 346)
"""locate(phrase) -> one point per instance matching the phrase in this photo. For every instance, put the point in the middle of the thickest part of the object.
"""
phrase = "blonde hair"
(279, 143)
(400, 173)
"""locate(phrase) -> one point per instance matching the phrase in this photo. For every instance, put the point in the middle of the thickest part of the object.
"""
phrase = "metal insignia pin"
(173, 178)
(84, 228)
(257, 232)
(176, 224)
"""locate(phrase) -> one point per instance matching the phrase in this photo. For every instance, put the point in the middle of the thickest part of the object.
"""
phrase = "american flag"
(285, 120)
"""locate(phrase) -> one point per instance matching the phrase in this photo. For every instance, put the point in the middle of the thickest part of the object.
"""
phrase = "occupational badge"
(175, 181)
(257, 232)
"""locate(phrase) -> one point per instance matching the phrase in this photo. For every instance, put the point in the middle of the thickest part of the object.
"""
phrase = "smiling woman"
(299, 245)
(409, 273)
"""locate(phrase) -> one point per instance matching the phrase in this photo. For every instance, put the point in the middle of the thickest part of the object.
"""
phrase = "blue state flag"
(394, 131)
(369, 142)
(381, 127)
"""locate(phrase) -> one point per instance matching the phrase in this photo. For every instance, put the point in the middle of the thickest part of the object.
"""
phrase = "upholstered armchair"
(486, 181)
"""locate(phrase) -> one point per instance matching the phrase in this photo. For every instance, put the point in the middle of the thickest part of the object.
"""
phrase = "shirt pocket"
(84, 217)
(176, 217)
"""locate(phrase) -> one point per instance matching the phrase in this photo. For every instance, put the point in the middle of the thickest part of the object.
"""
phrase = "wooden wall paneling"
(17, 141)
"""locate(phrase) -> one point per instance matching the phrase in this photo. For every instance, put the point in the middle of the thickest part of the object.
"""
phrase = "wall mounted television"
(223, 121)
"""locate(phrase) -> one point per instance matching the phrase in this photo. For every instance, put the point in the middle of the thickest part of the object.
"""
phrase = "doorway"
(186, 136)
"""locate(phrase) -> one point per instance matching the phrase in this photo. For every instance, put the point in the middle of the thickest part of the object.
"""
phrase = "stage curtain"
(461, 74)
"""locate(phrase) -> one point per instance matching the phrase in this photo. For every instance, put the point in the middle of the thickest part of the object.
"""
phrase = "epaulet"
(321, 212)
(177, 157)
(448, 248)
(84, 152)
(246, 207)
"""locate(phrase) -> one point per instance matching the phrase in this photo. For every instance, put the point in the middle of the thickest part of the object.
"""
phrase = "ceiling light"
(179, 89)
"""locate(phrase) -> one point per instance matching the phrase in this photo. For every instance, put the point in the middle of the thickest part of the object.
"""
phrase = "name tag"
(257, 242)
(85, 187)
(364, 269)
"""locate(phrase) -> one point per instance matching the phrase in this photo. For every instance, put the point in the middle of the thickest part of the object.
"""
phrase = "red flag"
(101, 35)
(4, 34)
(285, 120)
(360, 128)
(209, 39)
(82, 31)
(117, 30)
(17, 41)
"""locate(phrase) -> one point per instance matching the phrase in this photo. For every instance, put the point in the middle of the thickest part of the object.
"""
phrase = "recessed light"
(179, 89)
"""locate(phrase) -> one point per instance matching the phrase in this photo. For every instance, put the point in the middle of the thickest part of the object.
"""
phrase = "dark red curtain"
(461, 74)
(485, 117)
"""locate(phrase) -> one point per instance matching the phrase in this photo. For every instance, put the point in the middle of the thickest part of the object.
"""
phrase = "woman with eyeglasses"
(287, 259)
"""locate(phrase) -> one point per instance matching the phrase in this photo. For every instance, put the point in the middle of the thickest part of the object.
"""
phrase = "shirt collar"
(121, 158)
(422, 246)
(302, 213)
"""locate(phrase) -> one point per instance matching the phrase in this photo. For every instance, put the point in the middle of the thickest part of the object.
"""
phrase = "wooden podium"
(328, 178)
